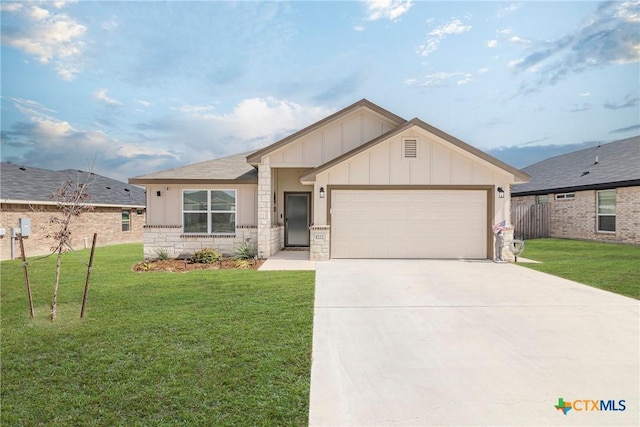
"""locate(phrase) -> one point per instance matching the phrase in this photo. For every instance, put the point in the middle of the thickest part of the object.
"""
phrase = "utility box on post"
(25, 226)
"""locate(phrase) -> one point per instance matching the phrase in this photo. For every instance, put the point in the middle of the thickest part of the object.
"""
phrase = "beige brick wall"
(577, 218)
(105, 221)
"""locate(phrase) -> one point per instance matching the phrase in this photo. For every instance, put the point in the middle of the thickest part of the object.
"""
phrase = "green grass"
(608, 266)
(199, 348)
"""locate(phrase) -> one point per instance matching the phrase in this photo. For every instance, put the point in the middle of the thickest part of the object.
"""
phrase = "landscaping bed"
(184, 265)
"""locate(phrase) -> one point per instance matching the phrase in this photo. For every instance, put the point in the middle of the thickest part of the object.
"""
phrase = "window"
(209, 211)
(541, 199)
(607, 210)
(565, 196)
(126, 220)
(410, 147)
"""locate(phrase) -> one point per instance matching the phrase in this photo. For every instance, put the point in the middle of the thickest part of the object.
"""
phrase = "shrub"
(207, 256)
(243, 251)
(243, 264)
(162, 254)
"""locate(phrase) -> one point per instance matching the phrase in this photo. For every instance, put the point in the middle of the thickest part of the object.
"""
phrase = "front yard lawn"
(607, 266)
(200, 348)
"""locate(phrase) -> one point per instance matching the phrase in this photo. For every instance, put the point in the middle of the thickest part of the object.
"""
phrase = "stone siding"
(577, 218)
(106, 221)
(320, 243)
(171, 239)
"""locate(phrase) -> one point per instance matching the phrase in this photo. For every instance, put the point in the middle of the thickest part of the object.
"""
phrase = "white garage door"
(409, 224)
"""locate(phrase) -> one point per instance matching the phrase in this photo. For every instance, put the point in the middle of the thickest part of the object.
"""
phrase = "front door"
(297, 220)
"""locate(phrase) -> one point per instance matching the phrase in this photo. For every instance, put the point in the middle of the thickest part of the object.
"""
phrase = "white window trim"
(598, 214)
(123, 222)
(208, 211)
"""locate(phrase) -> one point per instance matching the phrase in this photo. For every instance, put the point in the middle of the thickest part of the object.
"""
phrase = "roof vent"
(108, 188)
(585, 173)
(596, 162)
(410, 148)
(126, 189)
(22, 168)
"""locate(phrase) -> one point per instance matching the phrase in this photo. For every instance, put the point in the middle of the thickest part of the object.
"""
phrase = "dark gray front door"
(297, 220)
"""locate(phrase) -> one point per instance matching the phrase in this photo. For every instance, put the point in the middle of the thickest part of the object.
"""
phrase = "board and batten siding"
(334, 139)
(437, 163)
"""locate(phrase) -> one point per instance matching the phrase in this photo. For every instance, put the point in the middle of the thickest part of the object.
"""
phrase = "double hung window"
(606, 211)
(209, 211)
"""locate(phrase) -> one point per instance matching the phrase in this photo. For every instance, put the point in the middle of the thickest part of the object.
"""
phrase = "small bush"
(243, 264)
(207, 256)
(162, 254)
(243, 251)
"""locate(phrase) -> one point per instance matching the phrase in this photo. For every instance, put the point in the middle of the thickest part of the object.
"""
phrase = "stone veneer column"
(319, 248)
(264, 209)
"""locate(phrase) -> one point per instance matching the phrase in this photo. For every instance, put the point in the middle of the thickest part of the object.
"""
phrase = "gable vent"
(410, 149)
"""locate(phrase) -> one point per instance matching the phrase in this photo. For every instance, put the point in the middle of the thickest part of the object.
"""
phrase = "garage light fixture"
(500, 193)
(322, 192)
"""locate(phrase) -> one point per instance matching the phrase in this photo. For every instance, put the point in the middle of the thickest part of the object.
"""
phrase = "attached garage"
(409, 223)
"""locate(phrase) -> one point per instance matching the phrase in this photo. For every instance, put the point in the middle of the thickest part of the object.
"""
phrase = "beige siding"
(288, 180)
(438, 163)
(332, 140)
(166, 209)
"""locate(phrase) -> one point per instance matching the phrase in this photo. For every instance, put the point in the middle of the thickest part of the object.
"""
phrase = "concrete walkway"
(288, 260)
(455, 343)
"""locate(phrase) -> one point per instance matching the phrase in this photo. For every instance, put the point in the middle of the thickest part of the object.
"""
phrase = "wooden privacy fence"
(530, 221)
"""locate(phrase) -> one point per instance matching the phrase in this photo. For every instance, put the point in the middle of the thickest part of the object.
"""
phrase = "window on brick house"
(542, 198)
(126, 220)
(606, 211)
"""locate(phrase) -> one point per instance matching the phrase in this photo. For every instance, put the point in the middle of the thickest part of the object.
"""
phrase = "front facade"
(591, 194)
(26, 207)
(361, 183)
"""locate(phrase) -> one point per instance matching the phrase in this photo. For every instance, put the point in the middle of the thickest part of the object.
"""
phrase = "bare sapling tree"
(72, 199)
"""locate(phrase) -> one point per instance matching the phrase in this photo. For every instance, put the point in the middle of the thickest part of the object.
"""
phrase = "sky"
(128, 88)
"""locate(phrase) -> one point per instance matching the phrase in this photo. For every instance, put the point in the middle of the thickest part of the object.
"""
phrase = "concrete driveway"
(430, 342)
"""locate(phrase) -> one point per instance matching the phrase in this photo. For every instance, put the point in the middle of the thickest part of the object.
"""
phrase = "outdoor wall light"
(322, 192)
(500, 193)
(158, 193)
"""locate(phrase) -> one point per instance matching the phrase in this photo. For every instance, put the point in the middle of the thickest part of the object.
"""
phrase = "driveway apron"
(452, 342)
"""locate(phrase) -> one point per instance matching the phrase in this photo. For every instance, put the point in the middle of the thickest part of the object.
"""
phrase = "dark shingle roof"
(24, 183)
(616, 164)
(232, 168)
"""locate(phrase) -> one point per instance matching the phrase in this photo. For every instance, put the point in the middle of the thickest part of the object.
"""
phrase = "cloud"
(101, 95)
(435, 37)
(629, 102)
(579, 108)
(492, 43)
(483, 70)
(585, 94)
(608, 36)
(508, 9)
(520, 41)
(436, 79)
(467, 79)
(56, 144)
(626, 129)
(50, 36)
(387, 9)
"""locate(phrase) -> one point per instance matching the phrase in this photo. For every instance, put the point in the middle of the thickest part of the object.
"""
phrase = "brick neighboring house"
(592, 194)
(118, 217)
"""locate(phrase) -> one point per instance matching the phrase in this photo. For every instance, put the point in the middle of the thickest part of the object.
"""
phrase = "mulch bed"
(184, 265)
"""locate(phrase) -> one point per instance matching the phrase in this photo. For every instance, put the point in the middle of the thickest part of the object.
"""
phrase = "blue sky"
(127, 88)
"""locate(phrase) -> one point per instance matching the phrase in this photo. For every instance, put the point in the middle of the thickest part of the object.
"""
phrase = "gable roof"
(256, 157)
(24, 184)
(616, 164)
(519, 175)
(226, 170)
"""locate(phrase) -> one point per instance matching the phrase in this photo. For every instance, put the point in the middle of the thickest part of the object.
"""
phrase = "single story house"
(591, 194)
(360, 183)
(118, 213)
